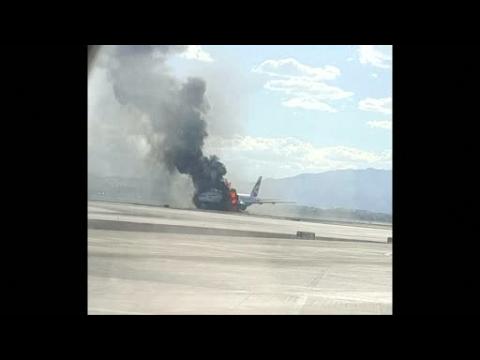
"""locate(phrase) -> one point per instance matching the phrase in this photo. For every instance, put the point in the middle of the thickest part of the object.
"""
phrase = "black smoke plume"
(182, 148)
(176, 111)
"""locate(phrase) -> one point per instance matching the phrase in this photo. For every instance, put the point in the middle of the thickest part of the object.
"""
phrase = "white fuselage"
(247, 199)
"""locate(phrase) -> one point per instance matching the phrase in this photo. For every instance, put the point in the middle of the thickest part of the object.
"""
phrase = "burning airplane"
(230, 200)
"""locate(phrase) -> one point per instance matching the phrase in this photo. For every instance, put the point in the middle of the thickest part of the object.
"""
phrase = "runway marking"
(301, 303)
(242, 301)
(117, 311)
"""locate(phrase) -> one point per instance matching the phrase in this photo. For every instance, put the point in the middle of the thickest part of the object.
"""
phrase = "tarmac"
(156, 260)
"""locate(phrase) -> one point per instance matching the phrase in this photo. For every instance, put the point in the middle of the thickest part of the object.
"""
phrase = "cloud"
(195, 52)
(291, 67)
(280, 157)
(308, 103)
(383, 124)
(381, 105)
(304, 84)
(375, 75)
(371, 55)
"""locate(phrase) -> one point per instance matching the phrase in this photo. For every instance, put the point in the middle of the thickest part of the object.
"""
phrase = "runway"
(154, 260)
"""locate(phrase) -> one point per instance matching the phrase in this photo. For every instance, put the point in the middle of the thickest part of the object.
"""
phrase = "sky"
(298, 109)
(280, 111)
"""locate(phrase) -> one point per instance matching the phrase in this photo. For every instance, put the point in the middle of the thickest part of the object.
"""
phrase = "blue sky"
(280, 111)
(334, 101)
(268, 117)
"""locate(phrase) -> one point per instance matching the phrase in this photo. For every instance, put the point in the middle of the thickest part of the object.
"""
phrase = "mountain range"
(368, 189)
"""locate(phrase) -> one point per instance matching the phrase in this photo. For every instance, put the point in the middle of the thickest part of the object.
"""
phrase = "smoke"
(162, 127)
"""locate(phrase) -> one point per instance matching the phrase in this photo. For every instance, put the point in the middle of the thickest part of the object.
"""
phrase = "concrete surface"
(229, 221)
(156, 272)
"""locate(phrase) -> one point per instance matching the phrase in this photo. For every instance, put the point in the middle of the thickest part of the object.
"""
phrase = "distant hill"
(149, 190)
(369, 189)
(345, 192)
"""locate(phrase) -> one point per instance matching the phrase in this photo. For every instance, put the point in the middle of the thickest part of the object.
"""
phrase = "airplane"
(214, 199)
(245, 200)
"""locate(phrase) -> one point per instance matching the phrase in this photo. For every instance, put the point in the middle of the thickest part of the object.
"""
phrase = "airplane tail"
(256, 188)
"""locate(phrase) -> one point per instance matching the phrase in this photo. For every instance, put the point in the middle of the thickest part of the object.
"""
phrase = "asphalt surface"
(148, 260)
